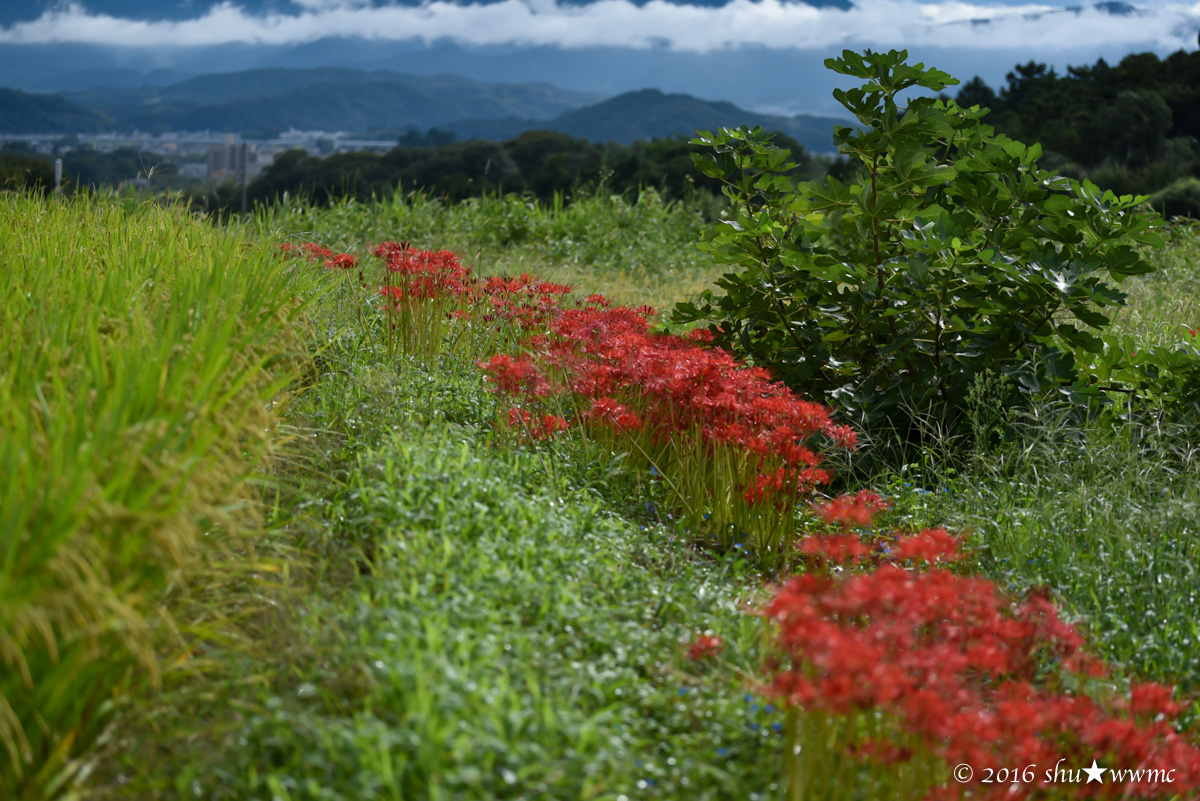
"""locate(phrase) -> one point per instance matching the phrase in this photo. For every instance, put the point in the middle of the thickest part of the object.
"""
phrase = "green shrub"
(950, 255)
(1180, 199)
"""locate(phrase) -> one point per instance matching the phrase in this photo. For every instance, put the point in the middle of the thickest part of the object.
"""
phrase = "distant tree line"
(541, 164)
(22, 168)
(1133, 128)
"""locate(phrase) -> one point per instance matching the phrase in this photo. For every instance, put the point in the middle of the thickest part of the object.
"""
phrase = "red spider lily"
(959, 670)
(688, 403)
(614, 414)
(852, 510)
(342, 261)
(836, 548)
(550, 425)
(705, 646)
(538, 428)
(930, 546)
(683, 398)
(388, 250)
(547, 288)
(1154, 700)
(315, 251)
(518, 376)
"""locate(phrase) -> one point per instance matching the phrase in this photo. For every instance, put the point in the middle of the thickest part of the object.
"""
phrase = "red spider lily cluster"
(423, 291)
(885, 658)
(414, 276)
(951, 671)
(738, 450)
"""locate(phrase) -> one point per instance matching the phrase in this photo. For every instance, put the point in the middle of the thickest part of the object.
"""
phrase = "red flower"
(960, 667)
(315, 251)
(549, 425)
(705, 646)
(852, 510)
(1153, 700)
(342, 261)
(839, 548)
(614, 414)
(931, 545)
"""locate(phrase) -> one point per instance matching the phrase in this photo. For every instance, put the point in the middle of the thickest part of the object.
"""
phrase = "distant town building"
(225, 161)
(193, 170)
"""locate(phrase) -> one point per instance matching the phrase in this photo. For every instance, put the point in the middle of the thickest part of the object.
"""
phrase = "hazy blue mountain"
(324, 99)
(116, 77)
(353, 100)
(25, 113)
(651, 114)
(537, 100)
(784, 80)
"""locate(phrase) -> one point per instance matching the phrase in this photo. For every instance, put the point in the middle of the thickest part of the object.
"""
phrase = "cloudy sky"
(969, 37)
(685, 27)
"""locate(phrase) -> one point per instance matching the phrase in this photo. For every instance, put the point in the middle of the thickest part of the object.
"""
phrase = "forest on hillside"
(1133, 128)
(541, 164)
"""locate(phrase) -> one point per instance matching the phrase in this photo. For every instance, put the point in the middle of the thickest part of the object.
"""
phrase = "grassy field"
(635, 253)
(421, 612)
(140, 351)
(1108, 517)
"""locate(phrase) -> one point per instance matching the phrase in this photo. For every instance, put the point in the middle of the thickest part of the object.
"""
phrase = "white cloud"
(765, 23)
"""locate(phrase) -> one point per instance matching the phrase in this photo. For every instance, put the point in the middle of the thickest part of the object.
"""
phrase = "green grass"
(1109, 520)
(1165, 304)
(636, 253)
(430, 615)
(488, 623)
(139, 349)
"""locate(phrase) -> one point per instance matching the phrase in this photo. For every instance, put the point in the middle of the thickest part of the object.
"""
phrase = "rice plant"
(141, 351)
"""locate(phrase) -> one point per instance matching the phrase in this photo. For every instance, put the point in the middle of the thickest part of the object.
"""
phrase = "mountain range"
(327, 98)
(766, 55)
(337, 99)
